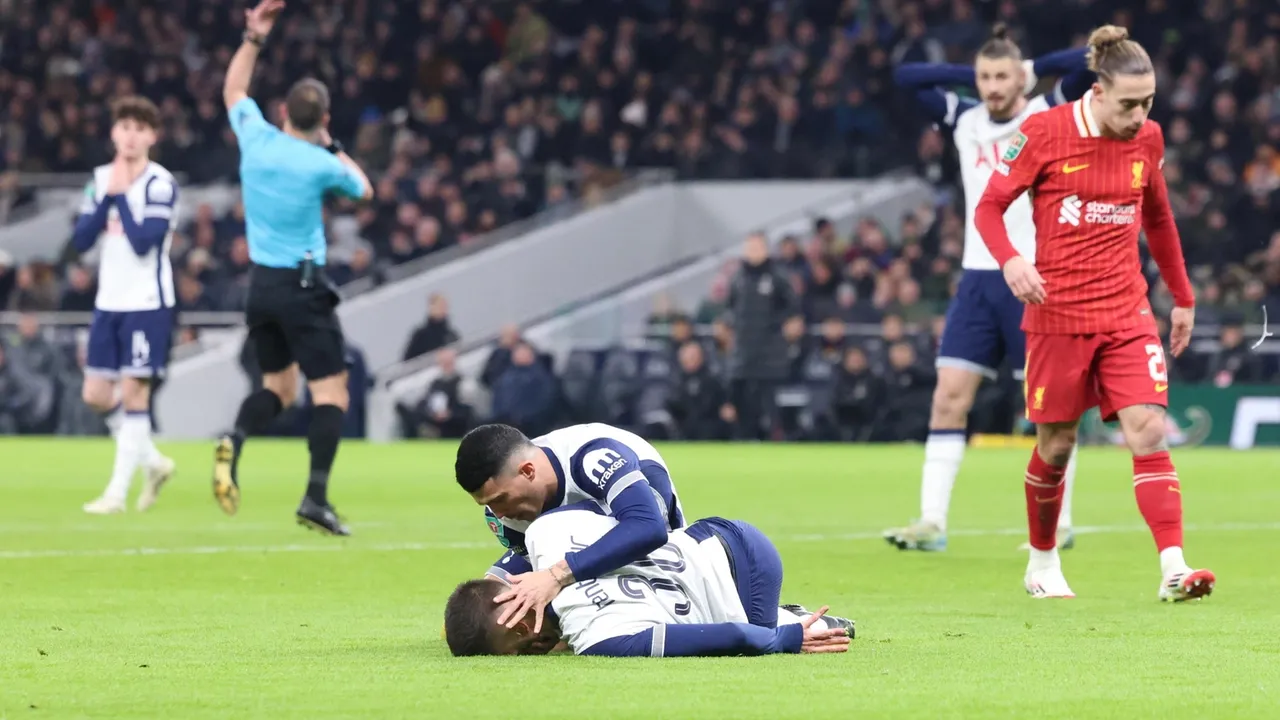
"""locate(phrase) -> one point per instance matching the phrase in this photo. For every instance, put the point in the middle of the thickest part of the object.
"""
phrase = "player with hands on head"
(983, 320)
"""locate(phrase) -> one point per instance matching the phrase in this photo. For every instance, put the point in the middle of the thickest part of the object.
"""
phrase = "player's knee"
(331, 391)
(284, 385)
(98, 394)
(1055, 444)
(951, 405)
(135, 394)
(1144, 430)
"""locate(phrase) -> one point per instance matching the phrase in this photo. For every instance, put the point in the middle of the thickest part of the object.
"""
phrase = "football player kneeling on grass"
(712, 589)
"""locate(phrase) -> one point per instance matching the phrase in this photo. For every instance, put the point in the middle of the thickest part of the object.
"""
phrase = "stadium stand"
(477, 115)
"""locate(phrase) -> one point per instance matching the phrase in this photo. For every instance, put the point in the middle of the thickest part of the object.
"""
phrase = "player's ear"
(527, 469)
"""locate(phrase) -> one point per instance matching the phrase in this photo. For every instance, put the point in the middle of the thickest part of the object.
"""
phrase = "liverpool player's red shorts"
(1068, 374)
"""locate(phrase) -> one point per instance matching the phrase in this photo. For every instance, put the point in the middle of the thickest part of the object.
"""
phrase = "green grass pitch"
(185, 613)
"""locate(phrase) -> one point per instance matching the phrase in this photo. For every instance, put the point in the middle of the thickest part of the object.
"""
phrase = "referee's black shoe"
(322, 518)
(226, 488)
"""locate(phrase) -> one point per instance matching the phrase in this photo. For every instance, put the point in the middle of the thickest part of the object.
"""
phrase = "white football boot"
(104, 506)
(1044, 578)
(158, 474)
(1187, 584)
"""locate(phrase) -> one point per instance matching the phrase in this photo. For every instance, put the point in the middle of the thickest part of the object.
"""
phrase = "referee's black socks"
(256, 414)
(322, 440)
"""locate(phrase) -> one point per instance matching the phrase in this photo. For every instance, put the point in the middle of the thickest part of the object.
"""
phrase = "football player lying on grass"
(712, 589)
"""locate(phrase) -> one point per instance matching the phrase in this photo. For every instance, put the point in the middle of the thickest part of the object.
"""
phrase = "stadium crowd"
(476, 114)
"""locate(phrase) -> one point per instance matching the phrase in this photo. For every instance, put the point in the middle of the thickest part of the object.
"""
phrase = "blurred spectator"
(1234, 363)
(32, 352)
(442, 412)
(80, 292)
(859, 397)
(524, 395)
(760, 300)
(698, 402)
(435, 333)
(500, 359)
(909, 392)
(22, 408)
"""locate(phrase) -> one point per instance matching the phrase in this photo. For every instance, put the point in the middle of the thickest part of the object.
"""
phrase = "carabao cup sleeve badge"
(499, 530)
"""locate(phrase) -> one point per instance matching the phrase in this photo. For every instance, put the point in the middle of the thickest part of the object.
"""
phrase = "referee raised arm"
(284, 176)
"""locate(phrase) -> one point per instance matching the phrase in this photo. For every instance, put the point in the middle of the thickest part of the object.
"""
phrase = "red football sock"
(1155, 484)
(1044, 501)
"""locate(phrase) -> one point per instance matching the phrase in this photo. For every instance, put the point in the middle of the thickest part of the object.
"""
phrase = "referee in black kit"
(284, 176)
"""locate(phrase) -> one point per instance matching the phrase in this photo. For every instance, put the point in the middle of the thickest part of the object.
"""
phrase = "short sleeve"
(247, 121)
(603, 468)
(346, 181)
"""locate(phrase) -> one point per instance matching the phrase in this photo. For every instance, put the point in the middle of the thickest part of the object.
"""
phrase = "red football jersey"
(1091, 196)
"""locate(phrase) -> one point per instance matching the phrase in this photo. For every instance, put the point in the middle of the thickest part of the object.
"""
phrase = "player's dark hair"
(306, 104)
(136, 108)
(1000, 46)
(1112, 53)
(469, 625)
(484, 452)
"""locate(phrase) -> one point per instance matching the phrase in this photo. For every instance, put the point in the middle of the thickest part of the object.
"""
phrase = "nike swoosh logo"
(1067, 168)
(1175, 489)
(1161, 387)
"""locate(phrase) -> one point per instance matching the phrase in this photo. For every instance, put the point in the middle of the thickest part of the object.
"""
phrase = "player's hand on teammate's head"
(529, 592)
(1181, 322)
(1025, 281)
(822, 640)
(262, 17)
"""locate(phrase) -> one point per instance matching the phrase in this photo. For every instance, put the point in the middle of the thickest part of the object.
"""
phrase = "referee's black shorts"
(290, 323)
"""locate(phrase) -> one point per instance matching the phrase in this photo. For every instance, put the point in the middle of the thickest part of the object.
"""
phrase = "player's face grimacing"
(133, 139)
(517, 494)
(1125, 103)
(1000, 84)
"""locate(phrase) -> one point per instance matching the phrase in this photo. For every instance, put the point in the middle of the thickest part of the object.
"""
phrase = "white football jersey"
(685, 582)
(593, 462)
(126, 281)
(981, 143)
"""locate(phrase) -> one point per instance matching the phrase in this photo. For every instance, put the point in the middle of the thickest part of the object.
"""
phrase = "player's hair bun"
(1108, 35)
(1112, 53)
(1000, 31)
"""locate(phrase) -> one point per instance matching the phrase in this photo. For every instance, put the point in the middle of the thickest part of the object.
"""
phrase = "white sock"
(786, 617)
(1069, 478)
(113, 418)
(131, 451)
(1171, 561)
(943, 451)
(150, 454)
(1043, 560)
